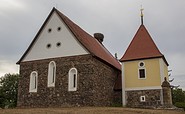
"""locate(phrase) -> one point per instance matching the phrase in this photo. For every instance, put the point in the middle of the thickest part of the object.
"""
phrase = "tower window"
(51, 74)
(141, 70)
(141, 64)
(72, 83)
(142, 99)
(142, 73)
(33, 81)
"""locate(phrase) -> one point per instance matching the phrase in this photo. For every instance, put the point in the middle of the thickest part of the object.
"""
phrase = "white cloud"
(8, 67)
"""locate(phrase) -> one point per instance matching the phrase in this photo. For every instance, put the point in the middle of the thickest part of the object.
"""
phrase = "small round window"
(141, 64)
(58, 44)
(48, 45)
(49, 30)
(59, 28)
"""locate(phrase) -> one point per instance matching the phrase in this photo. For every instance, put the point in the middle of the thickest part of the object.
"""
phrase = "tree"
(8, 90)
(178, 95)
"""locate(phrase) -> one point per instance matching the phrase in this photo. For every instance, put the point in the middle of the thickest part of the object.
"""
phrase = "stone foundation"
(95, 85)
(152, 98)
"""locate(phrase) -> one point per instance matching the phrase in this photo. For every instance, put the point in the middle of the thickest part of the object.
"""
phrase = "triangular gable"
(89, 42)
(142, 47)
(55, 40)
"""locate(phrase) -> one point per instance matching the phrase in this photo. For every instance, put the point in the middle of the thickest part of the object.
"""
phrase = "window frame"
(51, 74)
(141, 68)
(140, 63)
(72, 80)
(33, 82)
(139, 76)
(141, 98)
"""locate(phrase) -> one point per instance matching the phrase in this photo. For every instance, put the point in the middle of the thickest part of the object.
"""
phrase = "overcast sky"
(118, 20)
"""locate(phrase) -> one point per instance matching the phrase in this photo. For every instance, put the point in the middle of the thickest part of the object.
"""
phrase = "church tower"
(144, 68)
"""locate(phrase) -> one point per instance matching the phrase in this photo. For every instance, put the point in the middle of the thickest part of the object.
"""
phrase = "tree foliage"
(178, 98)
(8, 90)
(178, 95)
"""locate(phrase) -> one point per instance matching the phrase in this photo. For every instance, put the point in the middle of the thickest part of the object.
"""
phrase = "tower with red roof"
(144, 68)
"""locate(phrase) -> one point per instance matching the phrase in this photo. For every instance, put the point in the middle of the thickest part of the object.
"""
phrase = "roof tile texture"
(90, 43)
(141, 47)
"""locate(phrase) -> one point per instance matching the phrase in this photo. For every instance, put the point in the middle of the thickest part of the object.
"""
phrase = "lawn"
(88, 110)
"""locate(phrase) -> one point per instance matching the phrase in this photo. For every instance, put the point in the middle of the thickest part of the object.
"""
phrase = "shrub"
(180, 105)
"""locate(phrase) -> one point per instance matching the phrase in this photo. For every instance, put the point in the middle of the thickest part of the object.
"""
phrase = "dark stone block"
(152, 98)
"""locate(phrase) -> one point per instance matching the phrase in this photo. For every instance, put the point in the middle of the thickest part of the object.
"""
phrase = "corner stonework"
(167, 98)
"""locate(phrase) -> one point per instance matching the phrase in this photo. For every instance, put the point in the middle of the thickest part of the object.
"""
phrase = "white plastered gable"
(69, 46)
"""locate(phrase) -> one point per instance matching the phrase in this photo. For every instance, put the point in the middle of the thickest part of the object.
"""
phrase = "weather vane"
(141, 15)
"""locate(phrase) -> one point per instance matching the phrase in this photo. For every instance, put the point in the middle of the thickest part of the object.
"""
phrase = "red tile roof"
(142, 47)
(90, 43)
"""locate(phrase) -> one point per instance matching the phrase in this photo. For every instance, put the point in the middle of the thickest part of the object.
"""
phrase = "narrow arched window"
(72, 83)
(51, 74)
(33, 81)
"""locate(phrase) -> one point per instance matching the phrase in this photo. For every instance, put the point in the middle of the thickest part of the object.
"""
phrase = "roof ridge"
(80, 33)
(88, 41)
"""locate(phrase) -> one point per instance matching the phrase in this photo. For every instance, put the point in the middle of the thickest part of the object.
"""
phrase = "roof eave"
(162, 56)
(135, 59)
(75, 34)
(118, 68)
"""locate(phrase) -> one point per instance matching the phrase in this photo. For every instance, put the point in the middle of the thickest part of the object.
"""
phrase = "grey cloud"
(118, 20)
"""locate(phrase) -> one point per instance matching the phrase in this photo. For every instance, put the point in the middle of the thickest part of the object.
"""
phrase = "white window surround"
(139, 73)
(51, 74)
(72, 79)
(142, 99)
(33, 81)
(140, 63)
(141, 67)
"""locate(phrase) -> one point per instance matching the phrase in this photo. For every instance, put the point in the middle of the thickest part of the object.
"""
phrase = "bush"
(180, 105)
(8, 90)
(178, 95)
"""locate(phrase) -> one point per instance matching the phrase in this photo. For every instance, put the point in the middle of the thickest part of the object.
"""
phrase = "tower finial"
(141, 15)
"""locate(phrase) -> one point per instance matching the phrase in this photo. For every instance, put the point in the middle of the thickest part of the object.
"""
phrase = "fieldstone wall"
(152, 98)
(94, 85)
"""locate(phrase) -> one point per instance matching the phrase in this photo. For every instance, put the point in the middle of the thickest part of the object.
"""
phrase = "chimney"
(99, 37)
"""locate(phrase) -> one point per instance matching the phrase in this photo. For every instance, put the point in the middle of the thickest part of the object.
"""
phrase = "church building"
(64, 66)
(144, 69)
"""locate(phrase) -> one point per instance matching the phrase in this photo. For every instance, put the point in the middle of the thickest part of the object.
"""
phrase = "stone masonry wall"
(94, 87)
(152, 98)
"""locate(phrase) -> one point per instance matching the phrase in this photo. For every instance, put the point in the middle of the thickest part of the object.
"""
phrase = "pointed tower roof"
(142, 47)
(95, 48)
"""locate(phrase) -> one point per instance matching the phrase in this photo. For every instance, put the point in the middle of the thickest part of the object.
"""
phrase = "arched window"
(72, 83)
(33, 81)
(51, 74)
